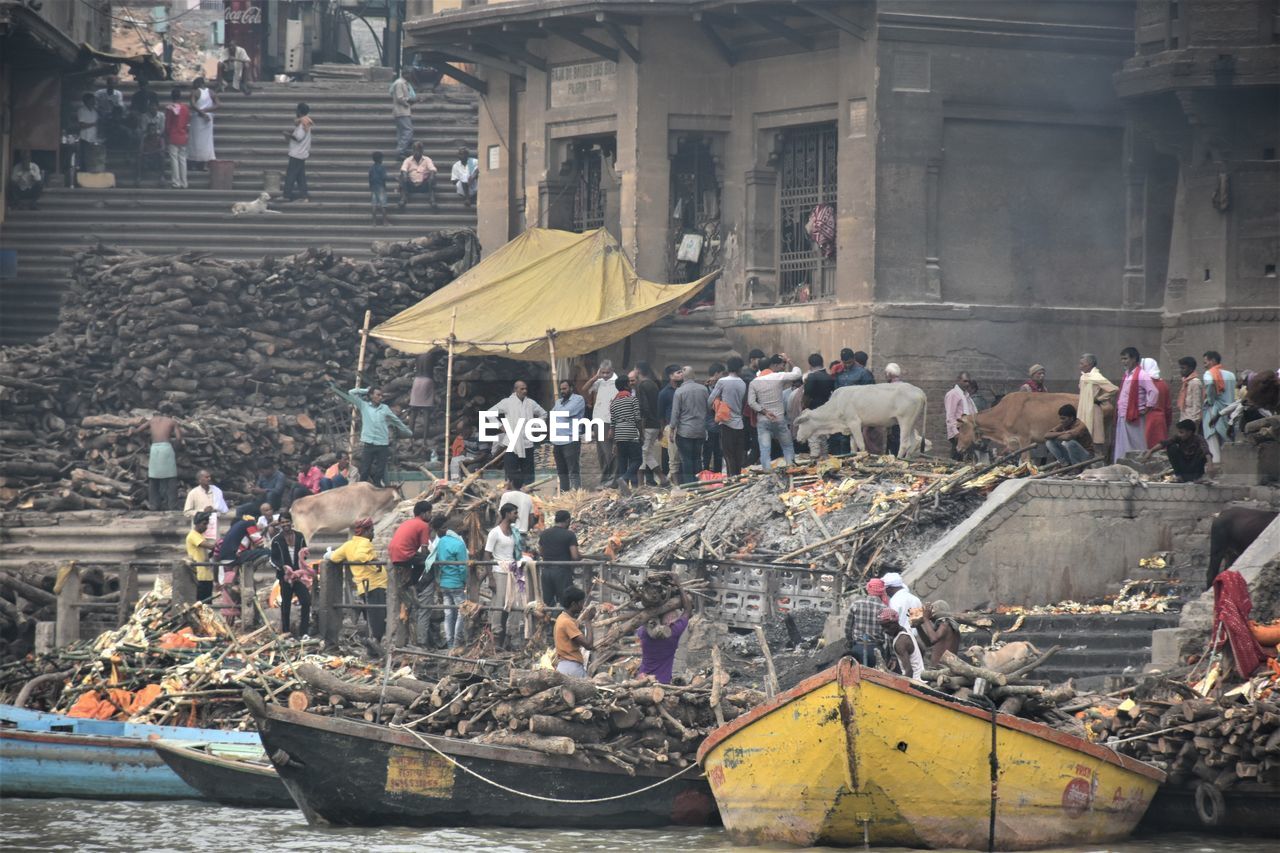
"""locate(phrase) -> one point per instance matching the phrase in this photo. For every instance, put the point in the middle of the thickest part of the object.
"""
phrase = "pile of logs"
(28, 597)
(628, 724)
(170, 664)
(246, 349)
(1223, 741)
(1010, 688)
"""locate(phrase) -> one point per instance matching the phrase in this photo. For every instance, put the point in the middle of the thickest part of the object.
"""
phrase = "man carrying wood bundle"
(376, 422)
(162, 465)
(659, 641)
(370, 579)
(570, 638)
(940, 630)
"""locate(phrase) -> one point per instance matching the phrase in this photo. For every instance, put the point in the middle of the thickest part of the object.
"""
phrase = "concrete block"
(1246, 464)
(1166, 645)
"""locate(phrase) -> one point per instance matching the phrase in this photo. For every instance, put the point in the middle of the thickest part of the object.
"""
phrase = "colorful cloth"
(1231, 608)
(821, 228)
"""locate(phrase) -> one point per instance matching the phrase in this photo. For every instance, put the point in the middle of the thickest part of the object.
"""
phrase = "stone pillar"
(1133, 293)
(399, 592)
(248, 592)
(932, 262)
(331, 580)
(128, 593)
(183, 582)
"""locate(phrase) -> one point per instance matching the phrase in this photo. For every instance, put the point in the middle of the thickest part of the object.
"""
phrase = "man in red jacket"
(177, 125)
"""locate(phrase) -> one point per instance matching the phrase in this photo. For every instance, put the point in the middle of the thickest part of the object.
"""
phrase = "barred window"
(807, 198)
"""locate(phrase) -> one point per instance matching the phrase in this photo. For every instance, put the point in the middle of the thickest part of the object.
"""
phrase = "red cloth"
(1159, 419)
(821, 228)
(408, 538)
(1231, 609)
(177, 123)
(1131, 411)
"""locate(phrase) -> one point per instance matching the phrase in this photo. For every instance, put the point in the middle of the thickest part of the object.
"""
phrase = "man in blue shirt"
(376, 418)
(566, 447)
(854, 370)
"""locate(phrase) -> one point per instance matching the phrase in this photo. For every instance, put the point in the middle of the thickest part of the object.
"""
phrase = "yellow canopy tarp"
(581, 286)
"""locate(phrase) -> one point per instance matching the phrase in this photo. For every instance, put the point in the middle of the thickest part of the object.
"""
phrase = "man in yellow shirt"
(198, 553)
(371, 581)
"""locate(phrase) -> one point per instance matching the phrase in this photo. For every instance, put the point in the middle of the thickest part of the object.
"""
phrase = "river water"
(80, 825)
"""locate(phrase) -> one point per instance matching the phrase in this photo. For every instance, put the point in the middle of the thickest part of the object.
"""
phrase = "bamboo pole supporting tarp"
(448, 397)
(364, 342)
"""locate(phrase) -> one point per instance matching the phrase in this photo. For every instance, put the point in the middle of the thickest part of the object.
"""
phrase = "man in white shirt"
(957, 403)
(600, 391)
(299, 139)
(515, 412)
(235, 67)
(764, 395)
(522, 502)
(901, 600)
(465, 175)
(206, 497)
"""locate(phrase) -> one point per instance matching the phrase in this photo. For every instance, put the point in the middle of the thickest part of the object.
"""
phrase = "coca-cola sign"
(247, 15)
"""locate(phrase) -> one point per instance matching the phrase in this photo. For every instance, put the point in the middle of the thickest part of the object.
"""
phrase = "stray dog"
(258, 205)
(1114, 474)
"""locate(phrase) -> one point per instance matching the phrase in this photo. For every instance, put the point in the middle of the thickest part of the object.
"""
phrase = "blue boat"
(53, 755)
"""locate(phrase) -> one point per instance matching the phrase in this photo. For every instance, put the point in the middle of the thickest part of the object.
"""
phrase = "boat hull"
(227, 774)
(353, 774)
(52, 755)
(855, 755)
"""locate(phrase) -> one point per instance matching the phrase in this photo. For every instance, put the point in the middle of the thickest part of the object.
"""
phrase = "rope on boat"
(429, 745)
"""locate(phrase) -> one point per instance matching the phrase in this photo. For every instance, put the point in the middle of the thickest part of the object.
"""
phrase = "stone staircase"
(352, 120)
(692, 338)
(1093, 646)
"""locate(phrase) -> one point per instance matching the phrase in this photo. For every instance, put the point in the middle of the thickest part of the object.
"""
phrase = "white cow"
(850, 409)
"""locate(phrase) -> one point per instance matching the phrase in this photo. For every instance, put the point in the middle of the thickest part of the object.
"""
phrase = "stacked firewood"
(28, 597)
(1005, 682)
(245, 349)
(629, 724)
(1223, 741)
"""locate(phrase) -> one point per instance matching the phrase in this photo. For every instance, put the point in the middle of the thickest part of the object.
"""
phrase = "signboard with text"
(583, 83)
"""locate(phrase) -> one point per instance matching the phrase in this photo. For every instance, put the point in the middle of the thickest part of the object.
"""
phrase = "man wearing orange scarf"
(1219, 392)
(1137, 397)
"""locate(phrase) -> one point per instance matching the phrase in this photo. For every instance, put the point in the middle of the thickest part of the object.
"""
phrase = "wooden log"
(647, 695)
(1194, 710)
(547, 701)
(329, 683)
(952, 662)
(528, 740)
(542, 724)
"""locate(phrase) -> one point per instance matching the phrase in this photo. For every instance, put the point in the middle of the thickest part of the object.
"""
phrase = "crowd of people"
(168, 140)
(1210, 409)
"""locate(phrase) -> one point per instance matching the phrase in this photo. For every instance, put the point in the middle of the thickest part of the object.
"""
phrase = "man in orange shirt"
(570, 638)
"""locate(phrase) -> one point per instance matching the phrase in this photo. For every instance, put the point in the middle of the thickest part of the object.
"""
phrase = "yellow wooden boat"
(855, 755)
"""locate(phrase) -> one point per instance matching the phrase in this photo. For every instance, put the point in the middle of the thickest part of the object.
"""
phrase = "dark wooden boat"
(347, 773)
(1246, 808)
(230, 774)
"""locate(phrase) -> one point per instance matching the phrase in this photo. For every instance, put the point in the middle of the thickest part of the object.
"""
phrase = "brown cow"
(1020, 419)
(337, 509)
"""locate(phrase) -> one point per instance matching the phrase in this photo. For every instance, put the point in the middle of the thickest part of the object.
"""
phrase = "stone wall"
(1042, 541)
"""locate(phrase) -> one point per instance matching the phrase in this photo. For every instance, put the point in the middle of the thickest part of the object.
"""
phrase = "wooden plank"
(619, 37)
(586, 43)
(839, 21)
(721, 46)
(513, 50)
(462, 54)
(775, 26)
(462, 77)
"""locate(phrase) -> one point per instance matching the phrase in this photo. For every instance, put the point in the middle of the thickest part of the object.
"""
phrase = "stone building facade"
(1203, 175)
(948, 185)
